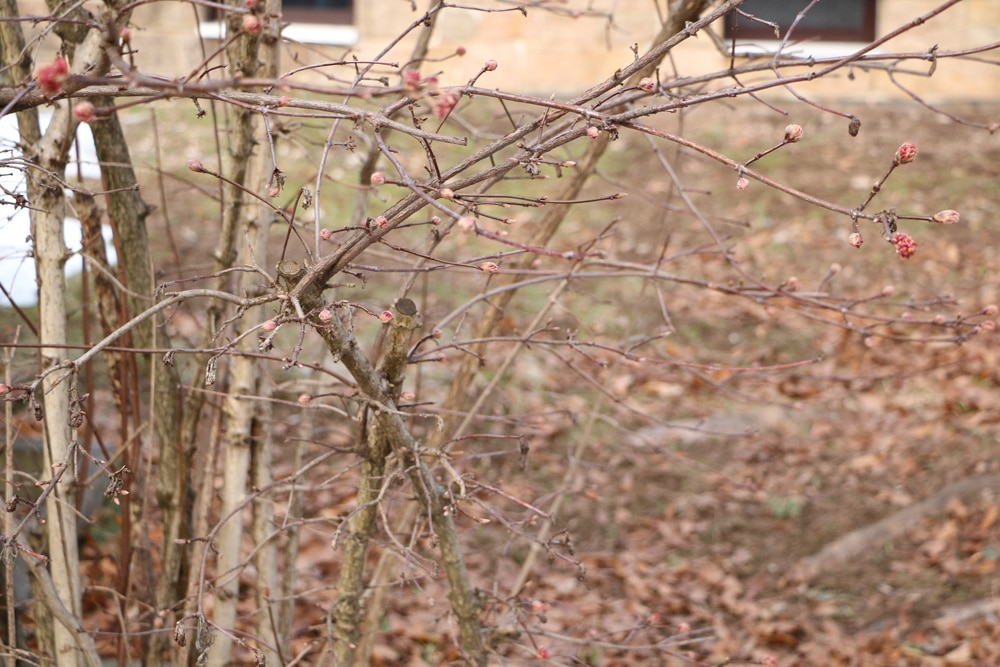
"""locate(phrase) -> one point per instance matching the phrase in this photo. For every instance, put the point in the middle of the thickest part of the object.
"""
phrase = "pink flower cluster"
(444, 99)
(905, 245)
(51, 77)
(906, 153)
(444, 103)
(411, 79)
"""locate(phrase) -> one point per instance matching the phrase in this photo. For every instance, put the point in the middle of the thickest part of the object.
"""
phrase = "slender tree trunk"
(239, 412)
(17, 61)
(48, 208)
(387, 422)
(348, 613)
(267, 587)
(202, 497)
(244, 378)
(292, 533)
(268, 584)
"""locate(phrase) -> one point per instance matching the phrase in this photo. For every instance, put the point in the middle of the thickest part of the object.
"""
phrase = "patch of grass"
(784, 507)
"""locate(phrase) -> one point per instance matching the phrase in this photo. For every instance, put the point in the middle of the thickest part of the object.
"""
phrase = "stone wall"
(558, 53)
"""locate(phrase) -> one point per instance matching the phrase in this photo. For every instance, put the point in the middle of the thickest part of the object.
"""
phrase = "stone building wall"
(558, 53)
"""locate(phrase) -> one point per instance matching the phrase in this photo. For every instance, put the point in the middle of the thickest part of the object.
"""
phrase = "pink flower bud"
(888, 290)
(990, 310)
(196, 166)
(593, 132)
(542, 653)
(939, 319)
(325, 315)
(835, 267)
(793, 133)
(489, 267)
(283, 101)
(646, 83)
(435, 220)
(742, 183)
(466, 224)
(380, 221)
(436, 333)
(325, 234)
(125, 34)
(84, 112)
(407, 396)
(51, 77)
(446, 193)
(411, 79)
(4, 388)
(988, 325)
(946, 217)
(445, 103)
(251, 24)
(273, 191)
(490, 65)
(269, 325)
(905, 245)
(460, 51)
(906, 153)
(385, 317)
(305, 399)
(855, 239)
(377, 178)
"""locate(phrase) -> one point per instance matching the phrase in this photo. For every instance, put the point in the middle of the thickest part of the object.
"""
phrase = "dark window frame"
(304, 14)
(758, 31)
(327, 15)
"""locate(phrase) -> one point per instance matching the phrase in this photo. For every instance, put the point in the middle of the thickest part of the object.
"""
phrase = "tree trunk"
(268, 585)
(244, 378)
(17, 61)
(386, 420)
(48, 157)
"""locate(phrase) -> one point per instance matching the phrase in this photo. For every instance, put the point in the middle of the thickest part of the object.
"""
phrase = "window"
(329, 22)
(838, 20)
(336, 12)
